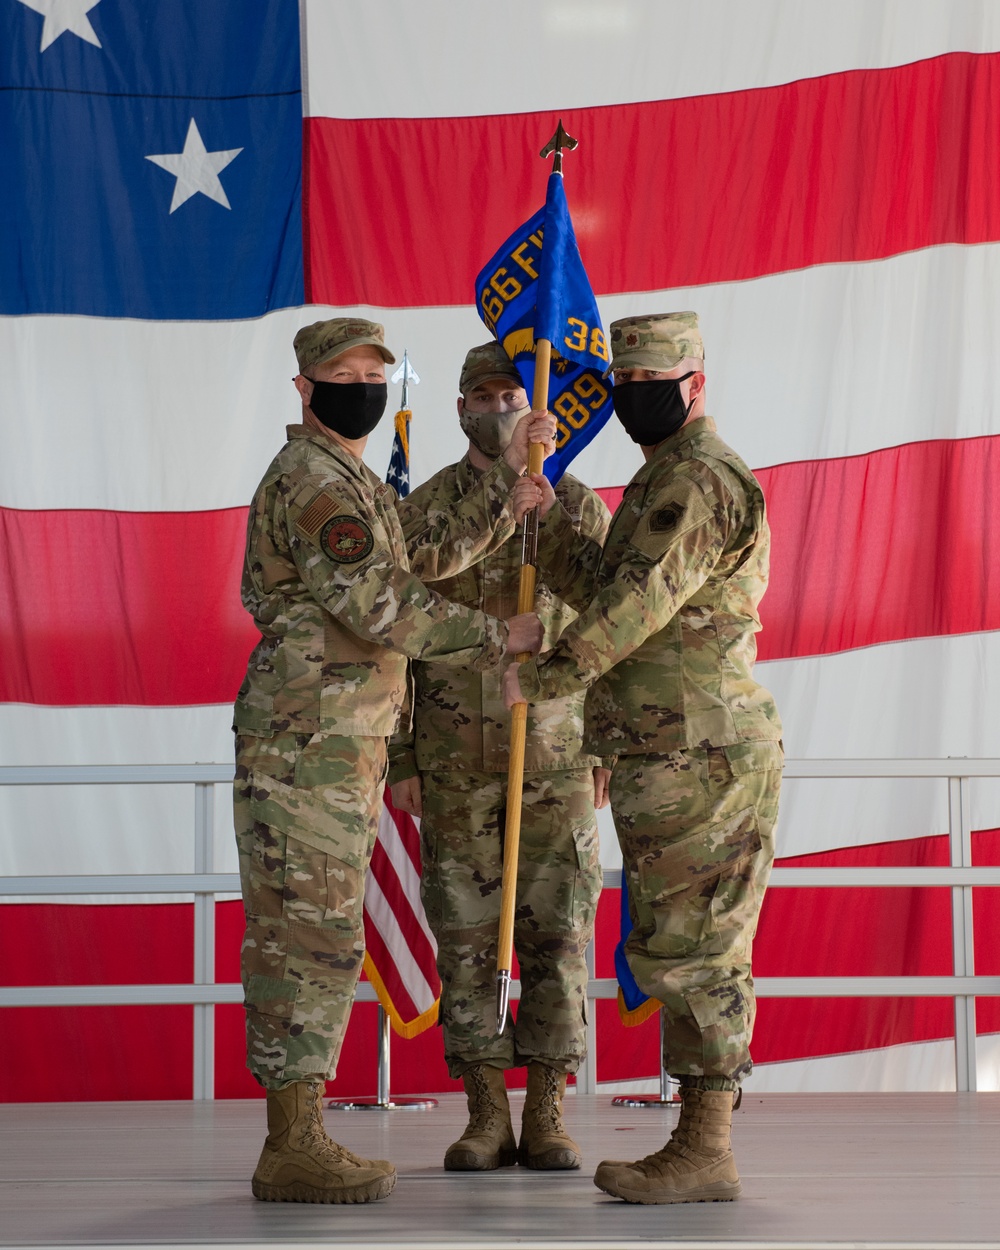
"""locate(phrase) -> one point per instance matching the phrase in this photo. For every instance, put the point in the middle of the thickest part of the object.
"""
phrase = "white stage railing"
(204, 993)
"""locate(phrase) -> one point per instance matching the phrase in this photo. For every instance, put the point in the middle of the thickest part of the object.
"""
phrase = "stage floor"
(819, 1170)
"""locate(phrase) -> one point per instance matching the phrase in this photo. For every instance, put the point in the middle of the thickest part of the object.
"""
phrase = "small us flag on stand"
(398, 474)
(401, 953)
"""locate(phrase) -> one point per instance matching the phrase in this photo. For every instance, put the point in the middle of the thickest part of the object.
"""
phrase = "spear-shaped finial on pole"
(556, 144)
(405, 374)
(398, 474)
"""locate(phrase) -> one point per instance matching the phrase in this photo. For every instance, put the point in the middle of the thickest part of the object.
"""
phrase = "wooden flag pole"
(519, 712)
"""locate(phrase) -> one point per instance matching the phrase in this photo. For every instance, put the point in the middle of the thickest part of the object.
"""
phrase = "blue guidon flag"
(633, 1005)
(535, 287)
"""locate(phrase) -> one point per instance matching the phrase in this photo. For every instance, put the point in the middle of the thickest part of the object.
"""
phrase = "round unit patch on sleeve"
(346, 539)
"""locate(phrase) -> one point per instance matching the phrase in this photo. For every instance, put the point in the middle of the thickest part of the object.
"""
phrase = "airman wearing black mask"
(665, 651)
(335, 592)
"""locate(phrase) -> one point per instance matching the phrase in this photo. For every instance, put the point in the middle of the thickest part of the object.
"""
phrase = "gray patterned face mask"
(490, 432)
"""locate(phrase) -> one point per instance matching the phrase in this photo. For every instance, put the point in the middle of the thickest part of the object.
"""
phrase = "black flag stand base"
(668, 1097)
(382, 1100)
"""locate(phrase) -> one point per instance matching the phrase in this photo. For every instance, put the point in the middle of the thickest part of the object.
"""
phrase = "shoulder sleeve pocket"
(670, 514)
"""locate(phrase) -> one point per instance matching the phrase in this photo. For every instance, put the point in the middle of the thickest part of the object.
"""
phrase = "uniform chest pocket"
(463, 588)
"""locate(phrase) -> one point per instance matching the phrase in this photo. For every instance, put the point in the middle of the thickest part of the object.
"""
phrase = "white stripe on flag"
(585, 53)
(923, 698)
(381, 914)
(392, 844)
(829, 346)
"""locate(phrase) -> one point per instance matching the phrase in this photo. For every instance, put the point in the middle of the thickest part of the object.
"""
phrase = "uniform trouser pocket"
(697, 838)
(559, 881)
(698, 896)
(305, 839)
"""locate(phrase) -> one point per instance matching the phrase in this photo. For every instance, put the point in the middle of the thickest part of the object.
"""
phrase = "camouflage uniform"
(339, 608)
(460, 746)
(666, 651)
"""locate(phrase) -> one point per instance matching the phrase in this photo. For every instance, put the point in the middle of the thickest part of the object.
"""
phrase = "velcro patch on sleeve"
(316, 513)
(575, 514)
(670, 515)
(346, 539)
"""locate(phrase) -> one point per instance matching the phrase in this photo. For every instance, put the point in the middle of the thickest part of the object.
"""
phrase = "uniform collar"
(686, 434)
(466, 474)
(351, 465)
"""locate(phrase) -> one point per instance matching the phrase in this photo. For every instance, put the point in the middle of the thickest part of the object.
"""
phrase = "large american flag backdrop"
(184, 184)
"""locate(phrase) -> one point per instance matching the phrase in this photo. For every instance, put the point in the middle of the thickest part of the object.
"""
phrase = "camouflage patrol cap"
(655, 341)
(325, 340)
(489, 360)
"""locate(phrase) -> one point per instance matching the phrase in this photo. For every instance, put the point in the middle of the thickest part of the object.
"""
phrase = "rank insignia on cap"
(346, 539)
(663, 519)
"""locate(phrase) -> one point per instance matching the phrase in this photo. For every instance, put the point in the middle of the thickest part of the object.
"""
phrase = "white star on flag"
(65, 15)
(196, 169)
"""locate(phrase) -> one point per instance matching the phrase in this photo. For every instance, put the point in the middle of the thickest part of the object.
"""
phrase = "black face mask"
(651, 411)
(350, 409)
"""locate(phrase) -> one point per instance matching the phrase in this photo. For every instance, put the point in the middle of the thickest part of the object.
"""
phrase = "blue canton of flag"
(398, 474)
(529, 291)
(155, 159)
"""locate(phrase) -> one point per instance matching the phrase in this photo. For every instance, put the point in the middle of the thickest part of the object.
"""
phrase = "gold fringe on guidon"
(641, 1014)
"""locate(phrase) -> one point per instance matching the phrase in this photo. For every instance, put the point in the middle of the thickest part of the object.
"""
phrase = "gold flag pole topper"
(519, 712)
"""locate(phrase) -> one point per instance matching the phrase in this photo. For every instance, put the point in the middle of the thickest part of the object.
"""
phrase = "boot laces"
(486, 1111)
(314, 1135)
(549, 1112)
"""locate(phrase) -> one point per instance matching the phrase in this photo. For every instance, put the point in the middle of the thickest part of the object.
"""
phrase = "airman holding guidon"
(665, 652)
(451, 770)
(336, 597)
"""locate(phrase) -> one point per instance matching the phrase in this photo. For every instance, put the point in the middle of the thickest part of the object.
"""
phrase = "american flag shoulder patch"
(316, 513)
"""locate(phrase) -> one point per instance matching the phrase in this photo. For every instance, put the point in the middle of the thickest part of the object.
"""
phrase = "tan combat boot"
(696, 1164)
(545, 1145)
(488, 1141)
(299, 1162)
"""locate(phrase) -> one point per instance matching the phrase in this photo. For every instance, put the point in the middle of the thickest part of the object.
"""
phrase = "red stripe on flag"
(405, 911)
(386, 950)
(145, 1052)
(122, 607)
(384, 961)
(853, 931)
(901, 543)
(406, 831)
(882, 547)
(845, 167)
